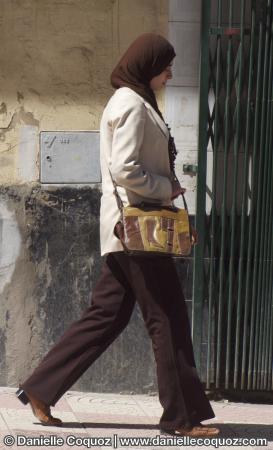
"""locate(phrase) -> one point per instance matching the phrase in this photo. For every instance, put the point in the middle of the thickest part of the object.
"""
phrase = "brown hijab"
(146, 58)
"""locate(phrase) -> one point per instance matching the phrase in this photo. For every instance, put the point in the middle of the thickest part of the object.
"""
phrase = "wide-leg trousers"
(154, 284)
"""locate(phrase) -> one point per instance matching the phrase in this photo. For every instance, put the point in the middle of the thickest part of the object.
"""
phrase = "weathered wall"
(56, 57)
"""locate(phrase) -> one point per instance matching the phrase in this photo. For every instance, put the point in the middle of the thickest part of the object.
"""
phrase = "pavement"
(103, 421)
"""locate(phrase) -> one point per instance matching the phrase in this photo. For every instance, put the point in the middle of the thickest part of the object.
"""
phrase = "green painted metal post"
(248, 340)
(198, 271)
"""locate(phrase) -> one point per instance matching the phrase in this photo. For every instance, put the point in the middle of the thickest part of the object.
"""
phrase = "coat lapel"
(157, 119)
(153, 114)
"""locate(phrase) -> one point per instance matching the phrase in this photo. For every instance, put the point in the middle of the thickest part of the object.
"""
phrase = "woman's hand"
(194, 236)
(177, 189)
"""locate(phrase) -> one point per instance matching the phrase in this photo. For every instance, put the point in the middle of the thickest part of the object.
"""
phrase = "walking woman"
(135, 150)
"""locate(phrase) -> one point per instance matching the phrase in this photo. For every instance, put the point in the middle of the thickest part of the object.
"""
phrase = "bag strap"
(185, 203)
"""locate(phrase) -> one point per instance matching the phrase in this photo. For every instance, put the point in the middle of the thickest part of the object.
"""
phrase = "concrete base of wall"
(50, 261)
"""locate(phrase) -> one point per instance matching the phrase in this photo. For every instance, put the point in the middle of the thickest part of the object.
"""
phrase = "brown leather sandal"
(198, 430)
(194, 431)
(39, 409)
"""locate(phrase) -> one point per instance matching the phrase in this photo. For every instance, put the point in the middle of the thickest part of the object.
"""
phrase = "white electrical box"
(69, 157)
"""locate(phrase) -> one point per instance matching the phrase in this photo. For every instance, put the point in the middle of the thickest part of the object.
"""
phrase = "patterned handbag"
(150, 229)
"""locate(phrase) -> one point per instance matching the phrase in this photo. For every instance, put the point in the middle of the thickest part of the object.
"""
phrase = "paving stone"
(94, 419)
(26, 421)
(103, 405)
(3, 425)
(61, 405)
(10, 401)
(105, 415)
(150, 406)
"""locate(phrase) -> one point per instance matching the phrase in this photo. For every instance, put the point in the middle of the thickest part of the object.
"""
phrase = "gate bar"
(260, 218)
(213, 193)
(267, 279)
(255, 316)
(244, 204)
(270, 314)
(254, 173)
(234, 196)
(198, 269)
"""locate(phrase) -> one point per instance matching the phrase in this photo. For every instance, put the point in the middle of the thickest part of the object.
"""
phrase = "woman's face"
(160, 80)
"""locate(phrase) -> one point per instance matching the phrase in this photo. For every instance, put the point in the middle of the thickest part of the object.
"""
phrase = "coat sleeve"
(125, 167)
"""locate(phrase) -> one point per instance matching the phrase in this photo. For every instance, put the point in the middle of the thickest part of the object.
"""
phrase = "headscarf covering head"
(146, 58)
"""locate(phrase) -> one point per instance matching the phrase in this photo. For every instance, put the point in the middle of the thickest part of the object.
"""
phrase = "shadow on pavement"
(231, 430)
(127, 426)
(245, 430)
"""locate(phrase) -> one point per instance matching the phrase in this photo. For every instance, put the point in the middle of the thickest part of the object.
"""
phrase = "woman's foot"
(207, 430)
(212, 430)
(195, 431)
(198, 430)
(39, 409)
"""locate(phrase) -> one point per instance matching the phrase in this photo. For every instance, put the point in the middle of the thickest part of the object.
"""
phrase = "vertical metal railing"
(260, 241)
(267, 215)
(234, 258)
(248, 340)
(231, 275)
(198, 273)
(269, 349)
(215, 143)
(250, 82)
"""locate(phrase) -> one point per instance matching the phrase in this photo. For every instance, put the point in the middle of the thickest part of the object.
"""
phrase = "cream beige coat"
(134, 146)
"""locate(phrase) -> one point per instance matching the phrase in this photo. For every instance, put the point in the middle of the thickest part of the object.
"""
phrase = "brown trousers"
(154, 284)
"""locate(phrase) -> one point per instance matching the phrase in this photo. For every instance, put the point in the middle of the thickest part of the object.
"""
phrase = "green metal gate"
(233, 261)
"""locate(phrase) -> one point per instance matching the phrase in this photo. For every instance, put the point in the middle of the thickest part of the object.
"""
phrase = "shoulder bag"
(151, 229)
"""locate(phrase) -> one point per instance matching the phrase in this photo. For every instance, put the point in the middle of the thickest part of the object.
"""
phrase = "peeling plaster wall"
(56, 57)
